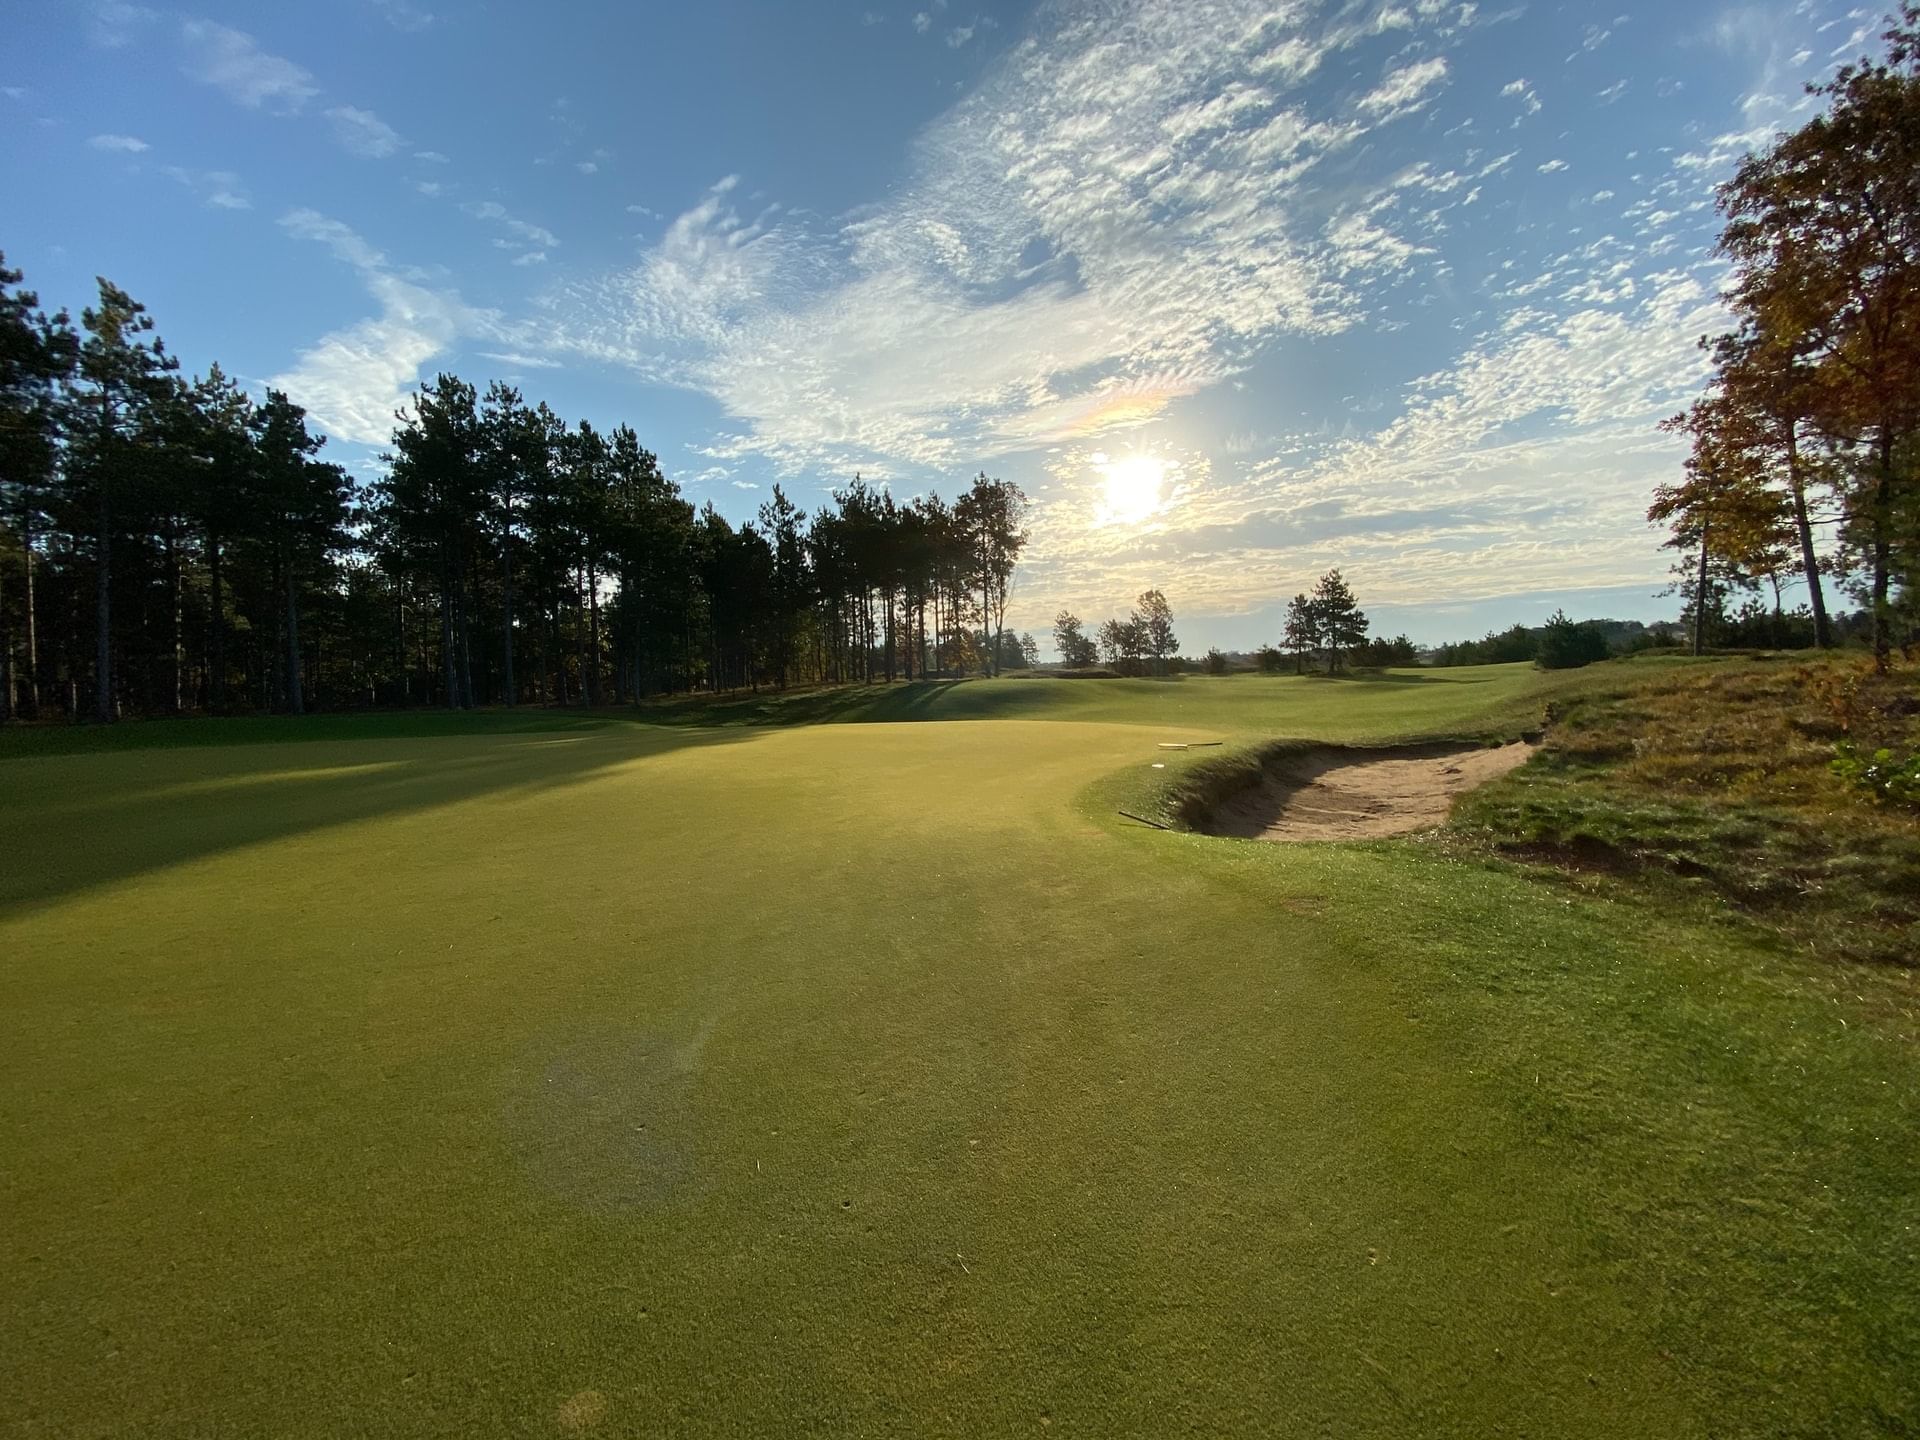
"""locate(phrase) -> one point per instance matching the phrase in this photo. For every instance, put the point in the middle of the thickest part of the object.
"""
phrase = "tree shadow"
(968, 699)
(73, 823)
(1403, 677)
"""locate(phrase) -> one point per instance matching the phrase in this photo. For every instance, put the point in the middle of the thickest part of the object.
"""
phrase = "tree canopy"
(171, 545)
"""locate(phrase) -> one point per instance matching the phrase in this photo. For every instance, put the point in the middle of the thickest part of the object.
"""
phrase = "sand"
(1337, 794)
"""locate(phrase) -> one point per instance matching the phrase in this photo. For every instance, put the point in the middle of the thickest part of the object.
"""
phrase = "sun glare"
(1134, 488)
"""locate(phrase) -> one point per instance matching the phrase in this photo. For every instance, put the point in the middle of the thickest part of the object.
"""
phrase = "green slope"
(614, 1079)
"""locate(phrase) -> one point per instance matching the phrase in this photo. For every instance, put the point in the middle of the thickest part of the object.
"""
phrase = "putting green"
(618, 1079)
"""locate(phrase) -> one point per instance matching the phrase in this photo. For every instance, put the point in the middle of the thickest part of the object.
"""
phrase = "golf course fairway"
(536, 1073)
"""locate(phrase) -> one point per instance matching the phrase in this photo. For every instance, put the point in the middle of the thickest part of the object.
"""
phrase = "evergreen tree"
(1302, 636)
(123, 381)
(1338, 621)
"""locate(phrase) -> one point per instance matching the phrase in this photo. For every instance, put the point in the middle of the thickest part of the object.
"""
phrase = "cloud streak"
(1126, 196)
(354, 379)
(230, 61)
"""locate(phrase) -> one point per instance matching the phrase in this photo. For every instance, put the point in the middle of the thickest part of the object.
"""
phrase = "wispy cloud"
(354, 379)
(1405, 89)
(519, 361)
(364, 133)
(231, 62)
(112, 24)
(521, 234)
(119, 144)
(404, 16)
(1522, 91)
(1064, 237)
(216, 189)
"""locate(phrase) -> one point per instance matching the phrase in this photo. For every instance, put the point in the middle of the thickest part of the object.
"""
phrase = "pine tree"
(37, 358)
(1302, 636)
(123, 379)
(1338, 620)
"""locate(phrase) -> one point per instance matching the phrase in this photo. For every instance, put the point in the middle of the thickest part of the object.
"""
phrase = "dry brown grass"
(1719, 777)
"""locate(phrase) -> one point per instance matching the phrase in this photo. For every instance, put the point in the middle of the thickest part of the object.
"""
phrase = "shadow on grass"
(970, 699)
(200, 731)
(71, 823)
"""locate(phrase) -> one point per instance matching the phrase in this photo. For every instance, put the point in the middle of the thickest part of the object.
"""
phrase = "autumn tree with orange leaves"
(1814, 404)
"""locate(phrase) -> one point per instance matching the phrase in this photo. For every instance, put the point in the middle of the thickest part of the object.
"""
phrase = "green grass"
(542, 1075)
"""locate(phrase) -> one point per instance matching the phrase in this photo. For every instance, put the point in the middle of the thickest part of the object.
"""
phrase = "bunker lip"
(1330, 792)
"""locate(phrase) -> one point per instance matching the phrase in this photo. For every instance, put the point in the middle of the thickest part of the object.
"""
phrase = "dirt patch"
(1336, 794)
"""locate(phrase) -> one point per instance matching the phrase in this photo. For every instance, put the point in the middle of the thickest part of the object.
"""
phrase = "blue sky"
(1237, 291)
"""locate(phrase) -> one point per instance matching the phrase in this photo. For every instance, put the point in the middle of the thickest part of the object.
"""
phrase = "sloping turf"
(833, 1079)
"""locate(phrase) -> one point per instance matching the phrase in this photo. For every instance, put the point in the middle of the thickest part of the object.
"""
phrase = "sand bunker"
(1334, 794)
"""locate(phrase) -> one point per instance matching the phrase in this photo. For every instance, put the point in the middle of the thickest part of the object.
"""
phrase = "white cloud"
(232, 63)
(922, 23)
(959, 35)
(1444, 501)
(1405, 89)
(353, 379)
(1117, 217)
(1551, 167)
(404, 16)
(217, 189)
(519, 361)
(1523, 92)
(364, 133)
(430, 157)
(119, 144)
(586, 167)
(112, 25)
(525, 235)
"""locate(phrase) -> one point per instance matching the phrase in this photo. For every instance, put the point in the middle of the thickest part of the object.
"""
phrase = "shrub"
(1888, 779)
(1216, 661)
(1567, 644)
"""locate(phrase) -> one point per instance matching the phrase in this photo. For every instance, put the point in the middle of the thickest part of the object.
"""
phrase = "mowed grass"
(720, 1078)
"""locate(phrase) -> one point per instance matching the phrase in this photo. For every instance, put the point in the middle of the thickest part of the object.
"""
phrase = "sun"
(1134, 487)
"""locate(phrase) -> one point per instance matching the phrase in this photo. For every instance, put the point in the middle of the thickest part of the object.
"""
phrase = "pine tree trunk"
(31, 687)
(296, 697)
(179, 620)
(6, 659)
(449, 660)
(506, 627)
(217, 621)
(593, 635)
(103, 614)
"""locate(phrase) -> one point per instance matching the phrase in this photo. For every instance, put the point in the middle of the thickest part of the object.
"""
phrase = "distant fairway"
(546, 1074)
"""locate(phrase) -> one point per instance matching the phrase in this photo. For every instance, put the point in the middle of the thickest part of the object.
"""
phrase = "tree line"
(1143, 643)
(171, 545)
(1811, 422)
